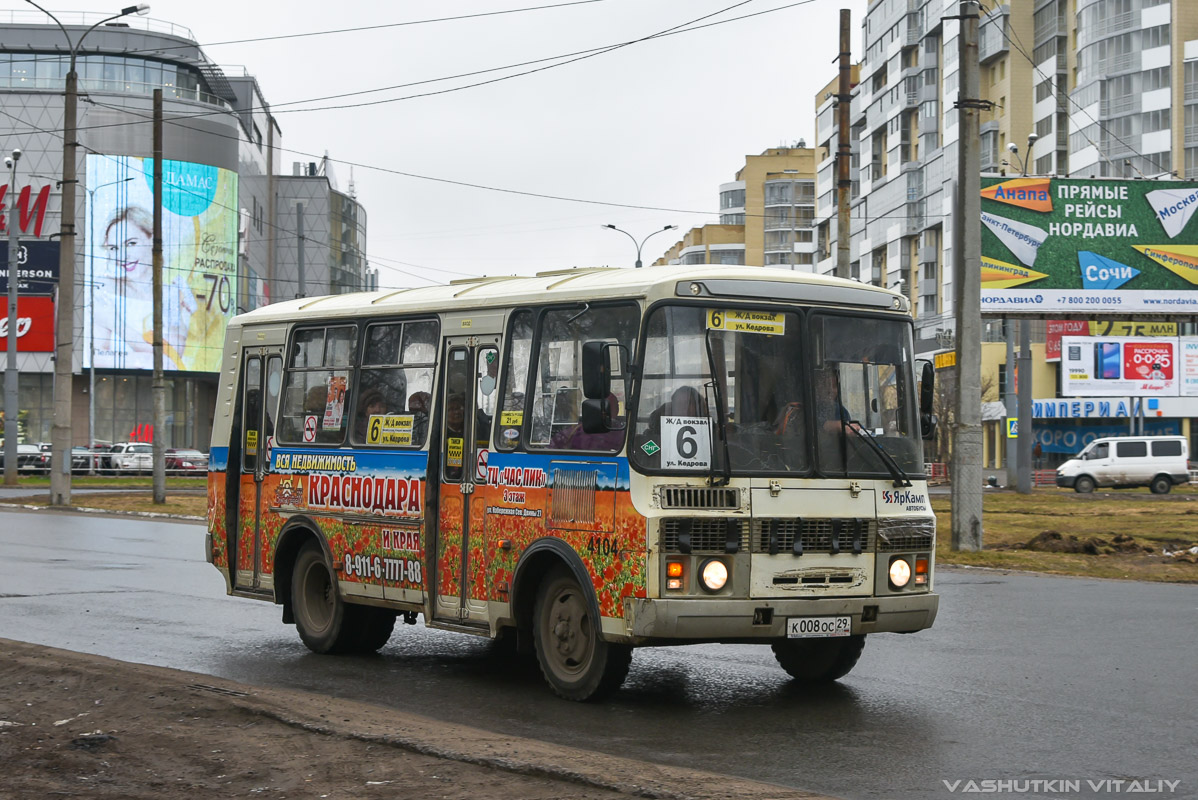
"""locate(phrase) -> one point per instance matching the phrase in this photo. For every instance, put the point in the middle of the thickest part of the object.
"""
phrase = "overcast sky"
(659, 123)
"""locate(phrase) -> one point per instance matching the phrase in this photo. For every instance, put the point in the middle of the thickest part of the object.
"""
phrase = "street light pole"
(61, 438)
(642, 242)
(11, 377)
(91, 317)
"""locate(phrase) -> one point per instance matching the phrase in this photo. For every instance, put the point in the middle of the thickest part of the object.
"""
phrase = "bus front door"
(262, 368)
(467, 407)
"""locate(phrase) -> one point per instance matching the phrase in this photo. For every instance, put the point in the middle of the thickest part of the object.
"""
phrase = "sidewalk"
(76, 725)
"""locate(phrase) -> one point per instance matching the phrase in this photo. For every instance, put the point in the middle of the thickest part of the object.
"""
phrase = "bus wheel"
(814, 661)
(576, 662)
(1161, 485)
(1084, 485)
(373, 627)
(323, 619)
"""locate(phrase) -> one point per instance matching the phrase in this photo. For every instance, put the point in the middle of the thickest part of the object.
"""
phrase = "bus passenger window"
(316, 403)
(397, 368)
(557, 379)
(519, 356)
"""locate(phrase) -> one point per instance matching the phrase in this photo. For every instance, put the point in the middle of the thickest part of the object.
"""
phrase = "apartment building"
(766, 215)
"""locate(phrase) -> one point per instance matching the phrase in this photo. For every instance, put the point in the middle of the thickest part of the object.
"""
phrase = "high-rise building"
(227, 215)
(766, 215)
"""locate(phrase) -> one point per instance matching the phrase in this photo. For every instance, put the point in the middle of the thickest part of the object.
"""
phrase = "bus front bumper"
(694, 620)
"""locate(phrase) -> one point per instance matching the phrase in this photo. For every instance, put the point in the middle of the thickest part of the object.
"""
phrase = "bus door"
(262, 368)
(467, 407)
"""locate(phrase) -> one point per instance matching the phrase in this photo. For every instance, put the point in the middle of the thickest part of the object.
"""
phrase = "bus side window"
(519, 356)
(316, 403)
(556, 412)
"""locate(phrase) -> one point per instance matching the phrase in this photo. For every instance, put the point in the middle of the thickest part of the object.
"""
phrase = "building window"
(732, 199)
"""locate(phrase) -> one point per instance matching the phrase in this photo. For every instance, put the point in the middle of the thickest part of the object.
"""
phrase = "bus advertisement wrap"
(1054, 245)
(199, 259)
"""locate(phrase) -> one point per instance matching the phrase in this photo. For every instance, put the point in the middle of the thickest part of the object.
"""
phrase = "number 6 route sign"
(310, 428)
(686, 443)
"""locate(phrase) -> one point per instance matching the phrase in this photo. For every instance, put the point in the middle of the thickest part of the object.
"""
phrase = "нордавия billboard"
(1055, 245)
(199, 263)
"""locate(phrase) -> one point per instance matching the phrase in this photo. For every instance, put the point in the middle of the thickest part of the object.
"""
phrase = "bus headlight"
(900, 572)
(714, 575)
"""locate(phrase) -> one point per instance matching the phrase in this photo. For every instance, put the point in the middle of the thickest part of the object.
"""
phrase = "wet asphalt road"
(1023, 678)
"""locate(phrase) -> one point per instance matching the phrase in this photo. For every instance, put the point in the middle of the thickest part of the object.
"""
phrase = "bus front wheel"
(813, 661)
(324, 621)
(576, 662)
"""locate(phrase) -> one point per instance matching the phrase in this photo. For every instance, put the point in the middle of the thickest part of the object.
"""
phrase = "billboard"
(35, 325)
(1116, 366)
(1058, 245)
(1100, 327)
(199, 259)
(37, 267)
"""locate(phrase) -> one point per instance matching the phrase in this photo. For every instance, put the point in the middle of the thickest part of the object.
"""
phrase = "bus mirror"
(596, 369)
(927, 387)
(927, 398)
(596, 416)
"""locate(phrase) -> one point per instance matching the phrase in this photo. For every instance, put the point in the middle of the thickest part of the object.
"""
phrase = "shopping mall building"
(238, 230)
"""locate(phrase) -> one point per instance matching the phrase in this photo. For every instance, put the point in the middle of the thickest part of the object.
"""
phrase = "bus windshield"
(727, 391)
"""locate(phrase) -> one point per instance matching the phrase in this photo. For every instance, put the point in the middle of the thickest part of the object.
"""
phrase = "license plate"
(809, 627)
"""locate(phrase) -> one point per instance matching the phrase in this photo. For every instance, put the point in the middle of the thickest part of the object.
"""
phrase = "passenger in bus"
(372, 404)
(579, 439)
(418, 405)
(455, 417)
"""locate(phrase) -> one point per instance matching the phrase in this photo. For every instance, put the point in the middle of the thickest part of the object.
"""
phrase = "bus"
(581, 463)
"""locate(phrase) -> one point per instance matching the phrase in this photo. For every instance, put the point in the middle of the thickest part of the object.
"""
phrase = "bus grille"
(814, 535)
(700, 497)
(704, 535)
(899, 539)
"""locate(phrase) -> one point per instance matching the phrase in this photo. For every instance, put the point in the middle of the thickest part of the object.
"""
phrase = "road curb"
(87, 510)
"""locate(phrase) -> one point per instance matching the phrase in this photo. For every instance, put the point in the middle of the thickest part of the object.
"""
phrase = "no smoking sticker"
(310, 428)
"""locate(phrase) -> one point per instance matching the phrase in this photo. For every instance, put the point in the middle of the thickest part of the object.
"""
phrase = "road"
(1024, 677)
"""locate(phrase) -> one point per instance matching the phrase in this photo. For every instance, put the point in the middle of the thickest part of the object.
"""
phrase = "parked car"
(30, 459)
(81, 458)
(105, 462)
(1158, 462)
(185, 460)
(133, 457)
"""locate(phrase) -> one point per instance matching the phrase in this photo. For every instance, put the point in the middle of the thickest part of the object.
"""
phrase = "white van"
(1158, 462)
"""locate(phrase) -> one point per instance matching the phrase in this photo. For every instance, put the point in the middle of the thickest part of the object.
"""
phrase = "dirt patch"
(75, 725)
(1055, 542)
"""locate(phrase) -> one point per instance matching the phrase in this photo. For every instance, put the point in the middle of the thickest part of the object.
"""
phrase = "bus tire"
(815, 661)
(1161, 484)
(576, 662)
(1084, 484)
(372, 627)
(325, 621)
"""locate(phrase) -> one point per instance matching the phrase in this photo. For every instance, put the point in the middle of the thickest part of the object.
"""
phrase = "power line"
(379, 27)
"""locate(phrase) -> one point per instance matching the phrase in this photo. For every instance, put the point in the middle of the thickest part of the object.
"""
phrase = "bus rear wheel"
(576, 662)
(325, 622)
(1161, 485)
(815, 661)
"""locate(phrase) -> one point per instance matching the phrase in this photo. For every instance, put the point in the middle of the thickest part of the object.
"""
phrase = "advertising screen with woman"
(199, 263)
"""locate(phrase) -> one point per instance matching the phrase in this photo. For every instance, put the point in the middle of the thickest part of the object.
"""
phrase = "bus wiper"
(900, 477)
(722, 415)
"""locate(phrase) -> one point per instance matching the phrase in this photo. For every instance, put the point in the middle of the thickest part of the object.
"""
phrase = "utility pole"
(1010, 401)
(843, 150)
(159, 384)
(299, 241)
(12, 396)
(967, 293)
(1024, 440)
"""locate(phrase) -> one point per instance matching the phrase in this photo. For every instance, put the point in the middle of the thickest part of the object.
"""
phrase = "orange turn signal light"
(674, 569)
(921, 566)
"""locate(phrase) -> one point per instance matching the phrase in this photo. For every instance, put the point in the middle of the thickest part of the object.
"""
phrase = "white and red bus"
(588, 461)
